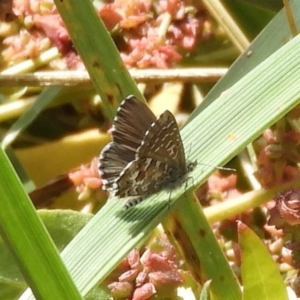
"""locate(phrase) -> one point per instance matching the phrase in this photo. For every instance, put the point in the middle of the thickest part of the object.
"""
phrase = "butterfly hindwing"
(113, 160)
(142, 177)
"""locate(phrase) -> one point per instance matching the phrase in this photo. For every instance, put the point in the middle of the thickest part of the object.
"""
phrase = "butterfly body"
(146, 154)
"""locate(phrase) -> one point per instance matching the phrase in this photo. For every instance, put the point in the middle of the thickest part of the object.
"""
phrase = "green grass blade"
(46, 97)
(28, 240)
(62, 226)
(98, 52)
(201, 250)
(274, 36)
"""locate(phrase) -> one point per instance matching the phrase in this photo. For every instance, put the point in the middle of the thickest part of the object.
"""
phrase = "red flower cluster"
(218, 188)
(277, 158)
(154, 273)
(153, 34)
(86, 179)
(285, 216)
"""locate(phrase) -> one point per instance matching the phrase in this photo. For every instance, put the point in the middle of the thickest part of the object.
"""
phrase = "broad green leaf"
(260, 274)
(62, 226)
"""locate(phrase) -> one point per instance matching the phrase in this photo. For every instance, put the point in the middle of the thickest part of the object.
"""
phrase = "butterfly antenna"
(208, 165)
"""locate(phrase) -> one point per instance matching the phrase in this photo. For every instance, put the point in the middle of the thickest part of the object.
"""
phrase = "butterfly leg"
(133, 202)
(169, 200)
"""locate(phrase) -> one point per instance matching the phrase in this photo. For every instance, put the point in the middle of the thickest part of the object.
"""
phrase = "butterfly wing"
(162, 142)
(146, 154)
(142, 177)
(133, 119)
(113, 159)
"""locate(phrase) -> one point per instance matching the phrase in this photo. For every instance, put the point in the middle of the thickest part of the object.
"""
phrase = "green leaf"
(62, 225)
(260, 273)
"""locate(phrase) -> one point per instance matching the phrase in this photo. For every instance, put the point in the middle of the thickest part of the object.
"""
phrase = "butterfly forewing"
(132, 120)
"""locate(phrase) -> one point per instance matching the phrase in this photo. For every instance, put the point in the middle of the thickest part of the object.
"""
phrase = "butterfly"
(146, 154)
